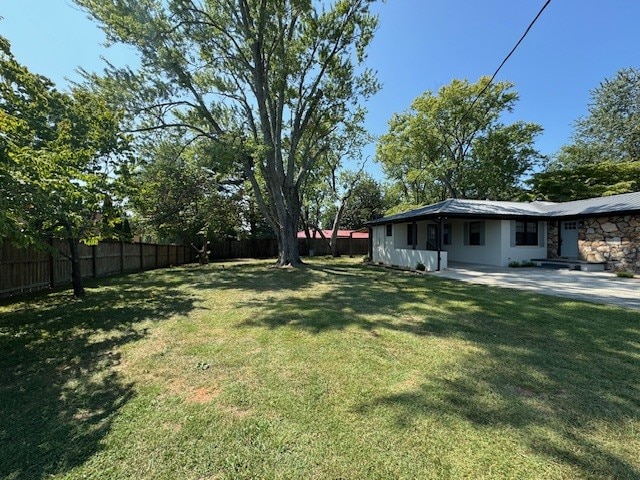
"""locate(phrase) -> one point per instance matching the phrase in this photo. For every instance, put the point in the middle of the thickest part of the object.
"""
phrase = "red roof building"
(341, 234)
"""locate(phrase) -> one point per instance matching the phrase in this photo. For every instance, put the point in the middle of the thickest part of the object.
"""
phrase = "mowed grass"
(331, 371)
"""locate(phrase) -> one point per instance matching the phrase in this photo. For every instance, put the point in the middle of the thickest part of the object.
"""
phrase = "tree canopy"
(279, 80)
(577, 182)
(61, 155)
(453, 144)
(611, 129)
(604, 156)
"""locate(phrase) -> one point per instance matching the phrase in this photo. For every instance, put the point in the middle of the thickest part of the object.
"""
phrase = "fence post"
(141, 257)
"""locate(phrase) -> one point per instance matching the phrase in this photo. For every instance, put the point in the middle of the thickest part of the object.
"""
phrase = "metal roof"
(453, 207)
(626, 202)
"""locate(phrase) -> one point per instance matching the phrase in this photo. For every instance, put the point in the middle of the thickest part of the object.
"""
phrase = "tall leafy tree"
(30, 108)
(187, 192)
(276, 77)
(61, 159)
(611, 129)
(453, 144)
(366, 202)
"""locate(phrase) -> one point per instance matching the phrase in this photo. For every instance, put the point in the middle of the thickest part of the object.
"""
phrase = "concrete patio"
(596, 287)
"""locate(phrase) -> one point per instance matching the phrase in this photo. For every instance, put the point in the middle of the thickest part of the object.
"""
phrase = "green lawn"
(332, 371)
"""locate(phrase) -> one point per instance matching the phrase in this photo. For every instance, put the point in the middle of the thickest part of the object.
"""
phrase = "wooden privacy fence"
(268, 247)
(26, 269)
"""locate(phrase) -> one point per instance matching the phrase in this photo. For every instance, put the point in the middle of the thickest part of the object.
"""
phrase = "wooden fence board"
(148, 256)
(131, 257)
(25, 270)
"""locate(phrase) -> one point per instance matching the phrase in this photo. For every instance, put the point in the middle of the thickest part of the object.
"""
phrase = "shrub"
(527, 263)
(625, 274)
(514, 264)
(420, 267)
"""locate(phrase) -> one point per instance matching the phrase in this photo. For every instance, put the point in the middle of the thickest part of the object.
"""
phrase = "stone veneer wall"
(612, 239)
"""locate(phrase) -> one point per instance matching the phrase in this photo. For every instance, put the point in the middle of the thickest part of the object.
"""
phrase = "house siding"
(394, 251)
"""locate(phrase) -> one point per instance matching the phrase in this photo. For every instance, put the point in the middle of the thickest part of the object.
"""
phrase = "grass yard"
(333, 371)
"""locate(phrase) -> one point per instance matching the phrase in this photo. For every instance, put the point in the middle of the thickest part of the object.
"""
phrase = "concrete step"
(581, 265)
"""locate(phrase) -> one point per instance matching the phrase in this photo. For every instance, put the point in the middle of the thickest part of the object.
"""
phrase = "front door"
(569, 236)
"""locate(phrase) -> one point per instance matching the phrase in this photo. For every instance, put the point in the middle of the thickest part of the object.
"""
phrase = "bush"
(524, 263)
(420, 267)
(625, 274)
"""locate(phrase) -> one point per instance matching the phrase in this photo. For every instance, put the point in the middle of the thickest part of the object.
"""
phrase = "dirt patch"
(202, 395)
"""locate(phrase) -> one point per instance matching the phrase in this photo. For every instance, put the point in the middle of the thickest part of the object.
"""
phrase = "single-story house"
(603, 230)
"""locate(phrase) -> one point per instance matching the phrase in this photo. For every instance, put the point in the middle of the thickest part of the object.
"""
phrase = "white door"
(569, 236)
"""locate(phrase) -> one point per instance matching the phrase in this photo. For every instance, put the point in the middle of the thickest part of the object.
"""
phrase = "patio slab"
(596, 287)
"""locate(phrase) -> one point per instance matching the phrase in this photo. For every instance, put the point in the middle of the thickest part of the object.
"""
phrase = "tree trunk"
(76, 272)
(337, 220)
(288, 254)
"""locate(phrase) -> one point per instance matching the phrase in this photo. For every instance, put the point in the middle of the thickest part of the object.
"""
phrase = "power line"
(484, 89)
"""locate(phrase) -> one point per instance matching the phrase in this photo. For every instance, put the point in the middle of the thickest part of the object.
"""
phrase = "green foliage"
(578, 181)
(625, 274)
(611, 130)
(420, 267)
(523, 264)
(366, 203)
(280, 80)
(62, 158)
(442, 147)
(187, 191)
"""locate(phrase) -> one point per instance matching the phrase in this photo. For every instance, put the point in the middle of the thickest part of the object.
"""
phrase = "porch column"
(439, 242)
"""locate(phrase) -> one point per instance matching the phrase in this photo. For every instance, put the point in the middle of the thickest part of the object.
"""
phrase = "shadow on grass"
(59, 384)
(552, 368)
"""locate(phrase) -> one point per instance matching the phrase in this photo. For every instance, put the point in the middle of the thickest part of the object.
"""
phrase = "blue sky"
(420, 45)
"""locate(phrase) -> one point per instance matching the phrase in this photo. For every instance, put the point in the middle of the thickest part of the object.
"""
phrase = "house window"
(476, 233)
(432, 235)
(526, 233)
(410, 233)
(389, 230)
(446, 235)
(570, 225)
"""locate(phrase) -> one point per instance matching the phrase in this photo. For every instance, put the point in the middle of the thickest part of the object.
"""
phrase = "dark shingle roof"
(453, 207)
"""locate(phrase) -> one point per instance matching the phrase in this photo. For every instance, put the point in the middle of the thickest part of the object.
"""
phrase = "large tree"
(453, 144)
(61, 156)
(30, 108)
(611, 129)
(366, 202)
(278, 78)
(186, 192)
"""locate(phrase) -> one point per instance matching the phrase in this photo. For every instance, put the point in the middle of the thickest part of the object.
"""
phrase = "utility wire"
(504, 61)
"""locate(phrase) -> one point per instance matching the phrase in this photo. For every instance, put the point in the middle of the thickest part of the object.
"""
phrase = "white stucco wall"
(499, 245)
(487, 254)
(384, 248)
(521, 253)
